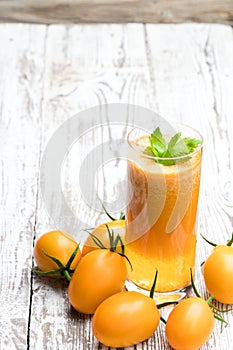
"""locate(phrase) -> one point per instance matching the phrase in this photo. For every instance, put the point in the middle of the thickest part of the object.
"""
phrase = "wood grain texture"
(47, 75)
(21, 70)
(121, 11)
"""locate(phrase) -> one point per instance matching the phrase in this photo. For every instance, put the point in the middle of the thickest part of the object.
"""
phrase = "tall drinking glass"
(161, 214)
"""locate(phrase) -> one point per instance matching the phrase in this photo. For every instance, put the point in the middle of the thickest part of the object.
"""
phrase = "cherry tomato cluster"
(123, 318)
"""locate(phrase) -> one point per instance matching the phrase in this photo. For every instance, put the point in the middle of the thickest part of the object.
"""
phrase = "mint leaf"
(173, 141)
(191, 143)
(166, 161)
(157, 142)
(180, 149)
(170, 147)
(176, 147)
(152, 151)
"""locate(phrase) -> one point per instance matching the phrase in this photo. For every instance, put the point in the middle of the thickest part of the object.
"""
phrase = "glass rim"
(197, 149)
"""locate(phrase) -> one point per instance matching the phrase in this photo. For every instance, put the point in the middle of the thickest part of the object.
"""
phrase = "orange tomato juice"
(161, 220)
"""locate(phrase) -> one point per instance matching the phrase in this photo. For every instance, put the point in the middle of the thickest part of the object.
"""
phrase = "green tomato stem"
(72, 257)
(126, 257)
(63, 270)
(122, 216)
(46, 273)
(153, 285)
(193, 284)
(209, 300)
(163, 320)
(229, 243)
(106, 212)
(205, 239)
(67, 275)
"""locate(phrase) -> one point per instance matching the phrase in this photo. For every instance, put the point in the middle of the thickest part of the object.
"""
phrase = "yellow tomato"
(101, 232)
(59, 245)
(99, 274)
(190, 324)
(218, 274)
(125, 319)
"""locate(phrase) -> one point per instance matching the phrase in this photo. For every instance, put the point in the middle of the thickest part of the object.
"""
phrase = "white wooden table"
(49, 73)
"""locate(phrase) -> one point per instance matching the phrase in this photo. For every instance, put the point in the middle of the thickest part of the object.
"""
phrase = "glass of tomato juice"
(161, 212)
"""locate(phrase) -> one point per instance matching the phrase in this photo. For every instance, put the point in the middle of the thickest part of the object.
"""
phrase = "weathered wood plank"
(112, 11)
(21, 72)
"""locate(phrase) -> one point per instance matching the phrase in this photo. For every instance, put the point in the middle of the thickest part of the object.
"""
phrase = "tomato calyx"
(151, 295)
(228, 244)
(207, 241)
(121, 217)
(63, 270)
(114, 241)
(216, 312)
(152, 291)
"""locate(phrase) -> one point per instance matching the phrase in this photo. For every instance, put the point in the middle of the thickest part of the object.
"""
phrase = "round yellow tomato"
(125, 319)
(190, 324)
(218, 274)
(101, 232)
(99, 274)
(59, 245)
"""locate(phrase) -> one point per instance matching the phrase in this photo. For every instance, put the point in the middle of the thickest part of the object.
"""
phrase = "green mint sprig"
(176, 147)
